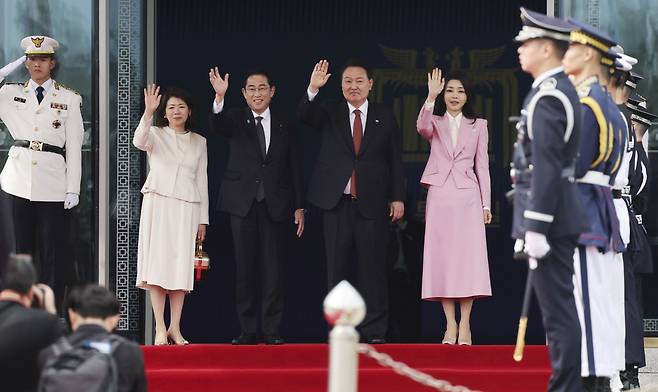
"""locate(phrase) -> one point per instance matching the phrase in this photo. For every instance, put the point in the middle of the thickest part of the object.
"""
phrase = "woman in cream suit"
(455, 267)
(175, 205)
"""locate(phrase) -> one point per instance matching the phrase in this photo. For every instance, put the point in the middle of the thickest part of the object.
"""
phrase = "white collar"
(546, 75)
(363, 108)
(266, 114)
(46, 85)
(457, 118)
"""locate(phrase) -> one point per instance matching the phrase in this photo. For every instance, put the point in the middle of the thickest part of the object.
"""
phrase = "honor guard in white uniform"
(43, 170)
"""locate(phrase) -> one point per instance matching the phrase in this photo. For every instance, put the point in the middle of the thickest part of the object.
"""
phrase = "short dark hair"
(94, 301)
(52, 56)
(468, 111)
(356, 62)
(20, 276)
(257, 71)
(561, 47)
(173, 92)
(618, 78)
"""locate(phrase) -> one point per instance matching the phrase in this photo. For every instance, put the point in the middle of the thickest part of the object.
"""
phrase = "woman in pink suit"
(455, 267)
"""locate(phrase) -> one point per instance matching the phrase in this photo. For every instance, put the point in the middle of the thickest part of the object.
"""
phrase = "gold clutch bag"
(201, 260)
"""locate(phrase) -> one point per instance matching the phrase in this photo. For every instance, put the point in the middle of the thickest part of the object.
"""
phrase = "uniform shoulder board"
(58, 85)
(10, 83)
(583, 90)
(548, 84)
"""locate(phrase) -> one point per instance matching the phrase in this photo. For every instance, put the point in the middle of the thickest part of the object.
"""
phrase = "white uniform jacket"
(39, 175)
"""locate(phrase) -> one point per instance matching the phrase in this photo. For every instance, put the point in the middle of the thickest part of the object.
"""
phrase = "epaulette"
(585, 86)
(58, 85)
(548, 84)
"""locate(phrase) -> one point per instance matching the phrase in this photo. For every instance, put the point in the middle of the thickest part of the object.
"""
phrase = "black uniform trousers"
(633, 312)
(553, 287)
(40, 228)
(257, 240)
(346, 230)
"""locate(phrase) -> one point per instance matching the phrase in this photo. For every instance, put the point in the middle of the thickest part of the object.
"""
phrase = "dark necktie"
(261, 136)
(39, 94)
(260, 192)
(357, 136)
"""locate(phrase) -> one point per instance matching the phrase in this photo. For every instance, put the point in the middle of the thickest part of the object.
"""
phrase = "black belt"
(620, 193)
(40, 146)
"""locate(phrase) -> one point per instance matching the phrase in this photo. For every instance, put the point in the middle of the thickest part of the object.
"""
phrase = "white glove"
(11, 67)
(518, 246)
(71, 200)
(536, 245)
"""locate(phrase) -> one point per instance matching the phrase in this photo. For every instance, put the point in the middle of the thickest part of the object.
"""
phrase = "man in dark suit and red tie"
(261, 190)
(358, 182)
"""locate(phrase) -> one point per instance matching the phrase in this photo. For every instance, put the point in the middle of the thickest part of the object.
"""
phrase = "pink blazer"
(467, 163)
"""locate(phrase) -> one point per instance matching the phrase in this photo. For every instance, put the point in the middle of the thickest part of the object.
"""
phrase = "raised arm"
(435, 83)
(218, 121)
(142, 138)
(4, 72)
(310, 112)
(11, 67)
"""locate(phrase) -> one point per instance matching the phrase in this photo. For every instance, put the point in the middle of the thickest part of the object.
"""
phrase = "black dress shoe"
(245, 339)
(589, 384)
(376, 340)
(629, 379)
(603, 384)
(274, 340)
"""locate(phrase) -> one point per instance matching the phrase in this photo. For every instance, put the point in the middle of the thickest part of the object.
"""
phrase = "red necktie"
(357, 135)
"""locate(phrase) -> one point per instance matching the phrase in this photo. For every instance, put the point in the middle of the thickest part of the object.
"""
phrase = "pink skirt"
(455, 263)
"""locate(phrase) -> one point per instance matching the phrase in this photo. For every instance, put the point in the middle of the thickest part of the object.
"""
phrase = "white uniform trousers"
(598, 278)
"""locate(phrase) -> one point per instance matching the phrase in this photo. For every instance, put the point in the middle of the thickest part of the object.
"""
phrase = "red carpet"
(303, 368)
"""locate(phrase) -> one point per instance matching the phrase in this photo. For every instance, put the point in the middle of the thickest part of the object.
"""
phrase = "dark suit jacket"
(281, 170)
(6, 232)
(23, 333)
(378, 166)
(128, 357)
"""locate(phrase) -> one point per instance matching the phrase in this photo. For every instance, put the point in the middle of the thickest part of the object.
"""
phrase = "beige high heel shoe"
(450, 337)
(161, 339)
(465, 338)
(180, 342)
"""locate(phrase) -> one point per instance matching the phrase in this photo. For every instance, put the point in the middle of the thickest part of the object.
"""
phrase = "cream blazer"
(184, 178)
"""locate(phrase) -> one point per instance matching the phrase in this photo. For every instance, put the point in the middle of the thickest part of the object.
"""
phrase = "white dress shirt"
(46, 86)
(364, 116)
(352, 108)
(455, 123)
(266, 121)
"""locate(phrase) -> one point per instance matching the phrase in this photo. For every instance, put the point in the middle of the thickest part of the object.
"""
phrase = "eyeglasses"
(251, 90)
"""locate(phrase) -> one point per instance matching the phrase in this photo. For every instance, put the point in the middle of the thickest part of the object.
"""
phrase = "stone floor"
(648, 374)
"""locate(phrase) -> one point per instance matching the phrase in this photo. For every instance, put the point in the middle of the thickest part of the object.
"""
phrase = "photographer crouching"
(28, 323)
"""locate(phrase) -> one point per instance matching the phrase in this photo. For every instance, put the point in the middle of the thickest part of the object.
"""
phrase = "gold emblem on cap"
(37, 41)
